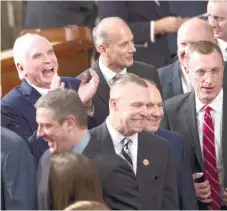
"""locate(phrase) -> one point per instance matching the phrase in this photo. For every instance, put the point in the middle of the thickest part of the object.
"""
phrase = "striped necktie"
(126, 152)
(209, 153)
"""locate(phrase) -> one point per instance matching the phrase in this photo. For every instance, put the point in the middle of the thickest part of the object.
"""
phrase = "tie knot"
(126, 141)
(207, 109)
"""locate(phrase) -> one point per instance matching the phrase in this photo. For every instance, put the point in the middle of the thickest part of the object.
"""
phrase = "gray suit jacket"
(180, 117)
(157, 180)
(120, 189)
(18, 176)
(101, 98)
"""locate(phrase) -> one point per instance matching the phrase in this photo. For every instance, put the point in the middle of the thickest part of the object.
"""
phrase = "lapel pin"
(145, 162)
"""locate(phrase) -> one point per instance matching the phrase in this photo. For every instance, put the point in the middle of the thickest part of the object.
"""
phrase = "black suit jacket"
(120, 189)
(157, 180)
(38, 15)
(138, 15)
(180, 117)
(101, 98)
(18, 173)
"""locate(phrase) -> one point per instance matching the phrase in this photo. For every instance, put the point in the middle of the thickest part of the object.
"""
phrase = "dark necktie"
(209, 153)
(126, 152)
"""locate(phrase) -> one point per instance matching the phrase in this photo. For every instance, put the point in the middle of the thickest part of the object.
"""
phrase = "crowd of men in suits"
(157, 137)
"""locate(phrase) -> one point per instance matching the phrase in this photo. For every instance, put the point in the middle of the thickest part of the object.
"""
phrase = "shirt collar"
(41, 91)
(108, 73)
(222, 44)
(81, 145)
(216, 104)
(116, 136)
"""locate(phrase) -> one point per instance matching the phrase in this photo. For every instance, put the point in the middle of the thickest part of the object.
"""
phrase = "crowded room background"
(114, 105)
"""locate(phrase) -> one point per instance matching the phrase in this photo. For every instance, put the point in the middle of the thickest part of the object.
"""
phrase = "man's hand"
(87, 90)
(168, 24)
(225, 197)
(56, 83)
(203, 189)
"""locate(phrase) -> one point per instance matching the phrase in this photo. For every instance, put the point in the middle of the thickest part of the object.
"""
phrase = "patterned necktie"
(210, 167)
(126, 152)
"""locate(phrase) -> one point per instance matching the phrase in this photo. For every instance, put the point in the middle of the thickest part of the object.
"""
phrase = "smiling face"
(130, 108)
(54, 133)
(217, 17)
(155, 111)
(208, 86)
(40, 63)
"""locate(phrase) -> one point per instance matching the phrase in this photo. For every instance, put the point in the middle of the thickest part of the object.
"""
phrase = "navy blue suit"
(187, 197)
(18, 175)
(18, 105)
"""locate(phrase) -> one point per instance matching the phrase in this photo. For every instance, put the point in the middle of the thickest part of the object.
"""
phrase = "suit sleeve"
(140, 29)
(188, 199)
(16, 123)
(170, 197)
(19, 179)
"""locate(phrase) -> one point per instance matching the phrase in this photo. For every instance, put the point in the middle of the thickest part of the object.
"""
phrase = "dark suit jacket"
(157, 180)
(138, 15)
(186, 190)
(120, 190)
(38, 15)
(180, 117)
(101, 98)
(18, 175)
(170, 79)
(18, 105)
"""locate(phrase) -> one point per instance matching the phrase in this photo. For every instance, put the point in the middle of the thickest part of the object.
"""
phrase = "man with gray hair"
(173, 78)
(113, 39)
(148, 155)
(62, 122)
(37, 66)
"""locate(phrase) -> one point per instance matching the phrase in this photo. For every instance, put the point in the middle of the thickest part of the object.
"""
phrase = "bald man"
(217, 17)
(172, 77)
(113, 39)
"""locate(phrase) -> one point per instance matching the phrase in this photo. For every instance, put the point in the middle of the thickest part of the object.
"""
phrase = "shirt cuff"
(152, 32)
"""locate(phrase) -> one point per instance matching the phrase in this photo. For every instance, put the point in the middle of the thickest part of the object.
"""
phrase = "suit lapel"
(32, 94)
(188, 112)
(175, 79)
(103, 88)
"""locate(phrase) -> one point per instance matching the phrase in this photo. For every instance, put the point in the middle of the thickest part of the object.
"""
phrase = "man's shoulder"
(12, 96)
(168, 69)
(45, 158)
(144, 65)
(177, 101)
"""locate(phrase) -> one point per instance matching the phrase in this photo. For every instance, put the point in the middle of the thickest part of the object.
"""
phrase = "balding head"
(217, 16)
(192, 31)
(113, 39)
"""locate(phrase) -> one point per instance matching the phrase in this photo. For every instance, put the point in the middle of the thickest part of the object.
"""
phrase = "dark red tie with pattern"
(210, 167)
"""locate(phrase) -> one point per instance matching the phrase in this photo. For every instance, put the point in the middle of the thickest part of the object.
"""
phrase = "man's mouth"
(48, 71)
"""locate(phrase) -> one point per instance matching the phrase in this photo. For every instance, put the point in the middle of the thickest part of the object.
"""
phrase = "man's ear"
(71, 122)
(20, 69)
(113, 104)
(101, 49)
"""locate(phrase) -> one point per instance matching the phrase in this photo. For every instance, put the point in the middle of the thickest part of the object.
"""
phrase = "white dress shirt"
(223, 46)
(118, 145)
(107, 73)
(186, 85)
(216, 113)
(41, 91)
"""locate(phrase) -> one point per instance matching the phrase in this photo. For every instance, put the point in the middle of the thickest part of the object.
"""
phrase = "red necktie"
(210, 167)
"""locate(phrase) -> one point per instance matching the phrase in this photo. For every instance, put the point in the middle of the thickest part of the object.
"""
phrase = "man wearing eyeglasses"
(201, 117)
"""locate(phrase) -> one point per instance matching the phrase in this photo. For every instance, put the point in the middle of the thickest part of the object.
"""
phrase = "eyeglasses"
(202, 72)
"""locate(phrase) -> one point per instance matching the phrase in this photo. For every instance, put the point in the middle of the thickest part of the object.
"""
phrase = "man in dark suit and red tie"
(201, 117)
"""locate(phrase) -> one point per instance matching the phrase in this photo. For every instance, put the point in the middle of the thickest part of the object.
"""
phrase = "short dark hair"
(64, 102)
(203, 47)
